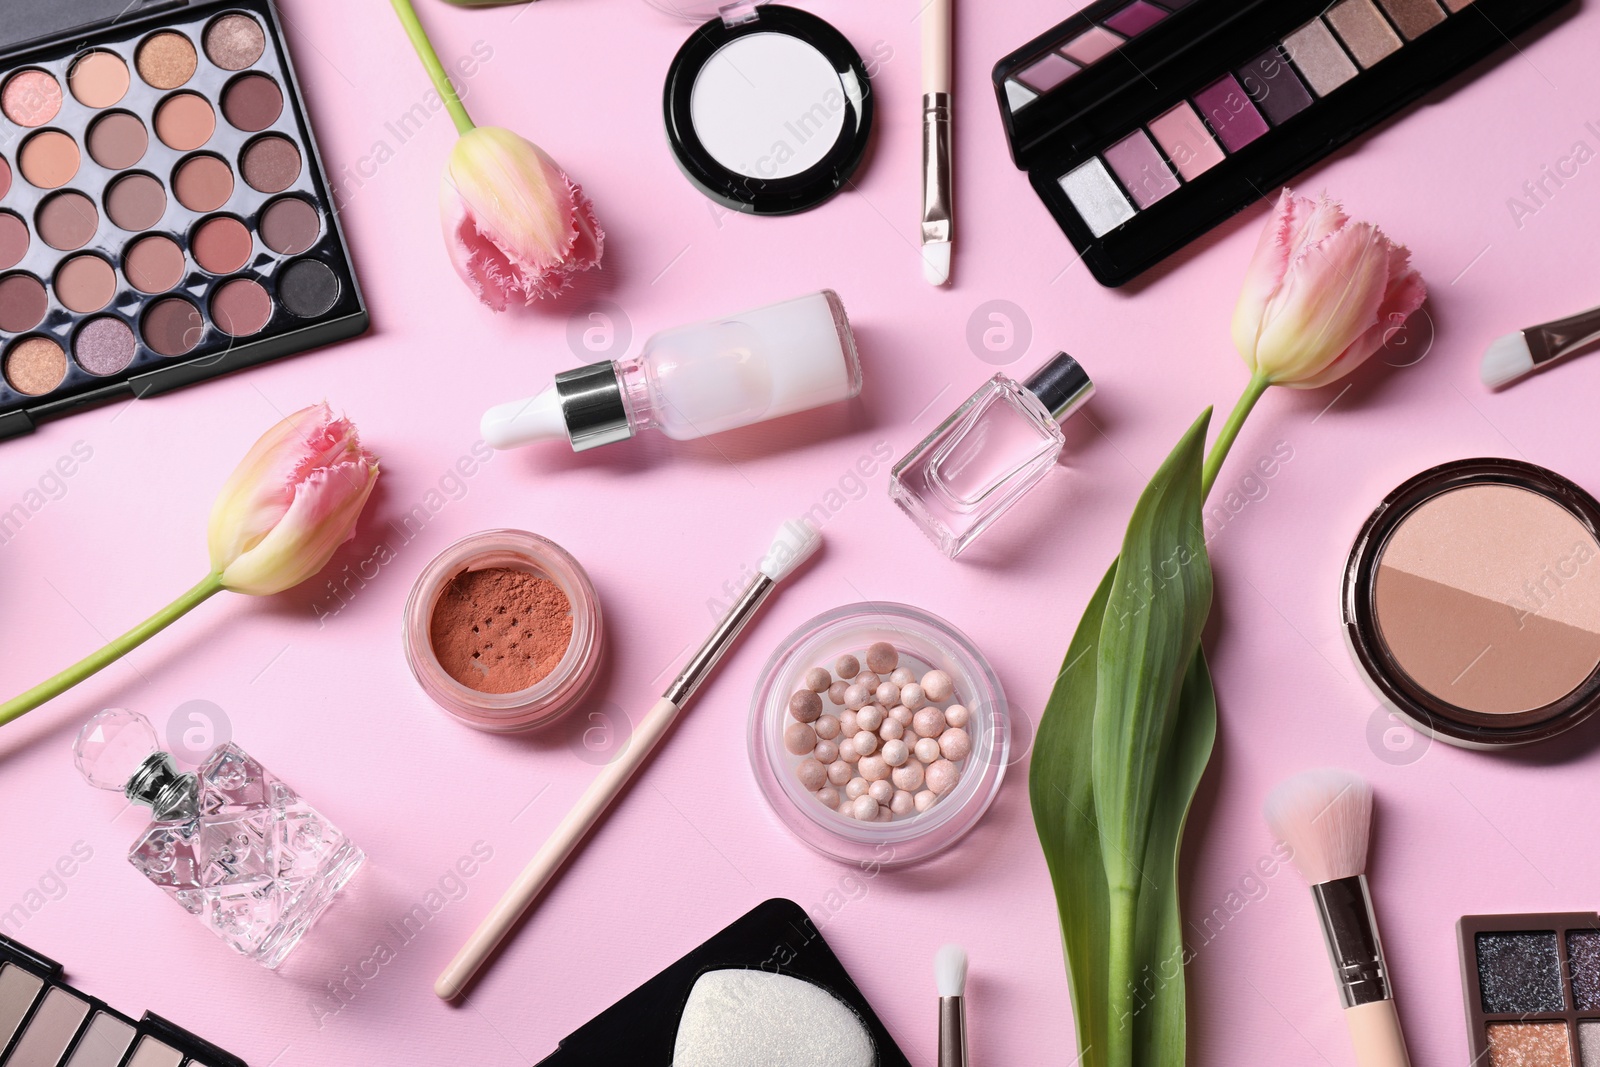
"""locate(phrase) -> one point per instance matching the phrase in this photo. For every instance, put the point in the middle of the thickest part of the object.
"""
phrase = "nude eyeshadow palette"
(164, 215)
(46, 1023)
(1532, 986)
(1144, 123)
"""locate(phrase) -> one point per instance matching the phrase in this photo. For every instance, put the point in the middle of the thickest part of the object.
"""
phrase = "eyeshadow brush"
(1518, 354)
(937, 203)
(794, 543)
(950, 974)
(1326, 818)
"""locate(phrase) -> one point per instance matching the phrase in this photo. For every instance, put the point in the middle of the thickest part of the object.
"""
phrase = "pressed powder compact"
(1472, 602)
(1532, 989)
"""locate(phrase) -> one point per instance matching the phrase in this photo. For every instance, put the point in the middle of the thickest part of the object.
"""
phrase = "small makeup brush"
(794, 543)
(1326, 818)
(1518, 354)
(950, 972)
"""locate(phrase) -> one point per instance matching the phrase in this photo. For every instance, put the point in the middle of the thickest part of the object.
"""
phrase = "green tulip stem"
(430, 62)
(202, 591)
(1230, 431)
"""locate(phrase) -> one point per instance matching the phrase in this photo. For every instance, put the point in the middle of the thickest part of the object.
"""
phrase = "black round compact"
(768, 109)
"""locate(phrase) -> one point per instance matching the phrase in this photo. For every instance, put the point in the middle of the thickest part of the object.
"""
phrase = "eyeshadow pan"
(5, 176)
(1186, 141)
(1589, 1043)
(1097, 198)
(1364, 31)
(1048, 73)
(1583, 957)
(85, 283)
(1414, 17)
(49, 159)
(308, 288)
(185, 121)
(1458, 5)
(270, 164)
(172, 326)
(289, 225)
(1520, 973)
(153, 1053)
(252, 102)
(202, 183)
(153, 264)
(136, 202)
(1319, 57)
(31, 98)
(1529, 1045)
(13, 240)
(221, 244)
(22, 302)
(104, 345)
(1135, 18)
(1274, 87)
(241, 307)
(117, 140)
(98, 79)
(34, 366)
(1092, 44)
(1143, 172)
(103, 1042)
(67, 221)
(166, 59)
(50, 1030)
(1230, 112)
(18, 988)
(234, 42)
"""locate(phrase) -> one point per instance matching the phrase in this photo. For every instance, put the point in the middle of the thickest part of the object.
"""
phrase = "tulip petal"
(1296, 223)
(1404, 294)
(321, 517)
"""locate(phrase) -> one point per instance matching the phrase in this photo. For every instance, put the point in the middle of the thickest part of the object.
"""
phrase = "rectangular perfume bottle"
(988, 453)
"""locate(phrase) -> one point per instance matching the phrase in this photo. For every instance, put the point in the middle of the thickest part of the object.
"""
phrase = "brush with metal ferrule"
(937, 206)
(950, 972)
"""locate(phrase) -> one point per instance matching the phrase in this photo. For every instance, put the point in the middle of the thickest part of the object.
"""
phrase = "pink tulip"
(516, 227)
(1322, 294)
(291, 502)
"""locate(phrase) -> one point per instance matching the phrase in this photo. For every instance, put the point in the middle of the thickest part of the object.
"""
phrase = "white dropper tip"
(537, 418)
(936, 262)
(1507, 360)
(792, 545)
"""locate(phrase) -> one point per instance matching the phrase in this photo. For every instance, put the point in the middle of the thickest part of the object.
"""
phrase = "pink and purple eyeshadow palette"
(1144, 124)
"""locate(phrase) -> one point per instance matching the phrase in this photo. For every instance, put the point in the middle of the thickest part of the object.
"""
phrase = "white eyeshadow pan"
(1095, 194)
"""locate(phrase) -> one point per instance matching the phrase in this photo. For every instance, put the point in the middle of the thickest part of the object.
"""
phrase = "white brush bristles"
(950, 970)
(794, 543)
(1507, 360)
(1325, 817)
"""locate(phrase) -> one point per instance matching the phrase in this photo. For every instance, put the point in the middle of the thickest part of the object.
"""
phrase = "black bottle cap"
(1062, 386)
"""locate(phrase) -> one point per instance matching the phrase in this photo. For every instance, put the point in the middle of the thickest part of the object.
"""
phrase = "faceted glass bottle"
(231, 843)
(985, 456)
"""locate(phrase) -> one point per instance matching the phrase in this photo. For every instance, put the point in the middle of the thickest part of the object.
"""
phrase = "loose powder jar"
(1472, 603)
(503, 630)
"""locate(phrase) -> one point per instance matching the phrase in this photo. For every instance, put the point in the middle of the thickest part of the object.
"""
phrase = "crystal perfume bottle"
(993, 449)
(234, 845)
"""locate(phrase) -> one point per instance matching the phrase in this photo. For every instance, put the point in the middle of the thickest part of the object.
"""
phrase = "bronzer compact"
(164, 216)
(1472, 603)
(1144, 123)
(768, 108)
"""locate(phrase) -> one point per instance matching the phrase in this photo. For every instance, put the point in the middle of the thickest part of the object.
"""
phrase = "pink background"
(661, 527)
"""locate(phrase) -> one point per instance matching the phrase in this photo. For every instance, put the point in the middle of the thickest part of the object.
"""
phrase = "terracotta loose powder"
(500, 630)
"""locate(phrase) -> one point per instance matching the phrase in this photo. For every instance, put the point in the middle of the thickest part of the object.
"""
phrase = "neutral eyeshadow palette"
(1532, 987)
(163, 212)
(1144, 123)
(46, 1023)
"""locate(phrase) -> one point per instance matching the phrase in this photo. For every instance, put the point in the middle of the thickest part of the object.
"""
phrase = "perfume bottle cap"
(112, 747)
(1062, 386)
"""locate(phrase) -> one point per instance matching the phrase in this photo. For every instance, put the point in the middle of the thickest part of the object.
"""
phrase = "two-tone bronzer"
(163, 213)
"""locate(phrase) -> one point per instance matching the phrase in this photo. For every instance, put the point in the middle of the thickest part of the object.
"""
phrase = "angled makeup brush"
(793, 544)
(950, 972)
(1326, 818)
(1521, 353)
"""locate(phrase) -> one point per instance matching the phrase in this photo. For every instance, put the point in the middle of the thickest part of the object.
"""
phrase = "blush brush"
(1326, 818)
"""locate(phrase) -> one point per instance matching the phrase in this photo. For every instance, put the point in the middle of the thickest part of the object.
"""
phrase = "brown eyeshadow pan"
(67, 221)
(35, 365)
(85, 283)
(13, 240)
(185, 121)
(22, 302)
(118, 140)
(5, 176)
(166, 59)
(172, 326)
(153, 264)
(221, 244)
(234, 41)
(290, 225)
(270, 164)
(241, 307)
(136, 202)
(202, 183)
(252, 102)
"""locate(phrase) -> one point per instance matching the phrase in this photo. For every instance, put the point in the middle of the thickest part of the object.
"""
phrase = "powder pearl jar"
(553, 695)
(924, 642)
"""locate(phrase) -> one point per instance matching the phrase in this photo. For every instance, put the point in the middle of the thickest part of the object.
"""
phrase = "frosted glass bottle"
(235, 846)
(697, 380)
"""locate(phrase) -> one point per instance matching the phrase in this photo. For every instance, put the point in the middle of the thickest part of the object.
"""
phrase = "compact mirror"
(768, 109)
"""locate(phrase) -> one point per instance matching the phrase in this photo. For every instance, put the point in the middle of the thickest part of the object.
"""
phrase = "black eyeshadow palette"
(1532, 986)
(774, 938)
(46, 1023)
(1144, 123)
(164, 215)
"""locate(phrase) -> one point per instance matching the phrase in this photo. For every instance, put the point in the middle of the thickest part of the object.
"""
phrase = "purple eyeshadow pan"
(1231, 114)
(1135, 18)
(1274, 86)
(1048, 73)
(1140, 168)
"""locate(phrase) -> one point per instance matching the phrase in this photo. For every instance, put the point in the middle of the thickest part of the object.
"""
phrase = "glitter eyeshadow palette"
(1532, 986)
(1144, 123)
(163, 212)
(765, 990)
(46, 1023)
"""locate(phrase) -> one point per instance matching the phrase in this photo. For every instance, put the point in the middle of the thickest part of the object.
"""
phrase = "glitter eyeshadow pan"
(1232, 98)
(1531, 987)
(163, 209)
